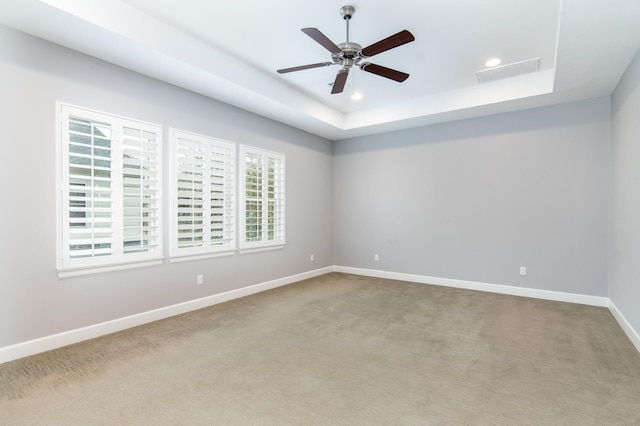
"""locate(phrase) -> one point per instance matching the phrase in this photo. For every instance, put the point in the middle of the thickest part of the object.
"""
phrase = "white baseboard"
(47, 343)
(479, 286)
(628, 329)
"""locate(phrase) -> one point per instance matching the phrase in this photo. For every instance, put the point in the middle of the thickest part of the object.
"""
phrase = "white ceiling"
(230, 50)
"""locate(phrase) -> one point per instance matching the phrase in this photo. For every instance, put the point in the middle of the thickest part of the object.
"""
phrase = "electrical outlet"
(312, 258)
(200, 279)
(376, 258)
(523, 270)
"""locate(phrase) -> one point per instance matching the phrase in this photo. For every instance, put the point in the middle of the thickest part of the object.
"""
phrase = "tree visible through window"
(262, 198)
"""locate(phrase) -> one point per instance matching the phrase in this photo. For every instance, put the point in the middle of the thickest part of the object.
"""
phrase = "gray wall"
(476, 199)
(624, 283)
(33, 301)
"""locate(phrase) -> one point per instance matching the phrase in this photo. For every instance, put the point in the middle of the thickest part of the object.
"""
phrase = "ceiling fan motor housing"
(347, 11)
(349, 55)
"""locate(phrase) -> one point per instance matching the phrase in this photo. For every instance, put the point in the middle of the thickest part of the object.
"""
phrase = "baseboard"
(628, 329)
(480, 286)
(47, 343)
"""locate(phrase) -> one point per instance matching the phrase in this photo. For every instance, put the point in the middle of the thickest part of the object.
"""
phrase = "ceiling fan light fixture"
(493, 62)
(355, 96)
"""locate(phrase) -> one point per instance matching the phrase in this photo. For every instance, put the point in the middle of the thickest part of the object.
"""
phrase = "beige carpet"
(342, 350)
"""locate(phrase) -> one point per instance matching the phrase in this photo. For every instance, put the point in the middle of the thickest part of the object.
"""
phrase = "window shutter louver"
(222, 198)
(140, 188)
(275, 199)
(253, 197)
(190, 173)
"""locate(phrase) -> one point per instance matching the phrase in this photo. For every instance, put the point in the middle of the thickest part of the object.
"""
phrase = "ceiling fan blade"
(322, 39)
(305, 67)
(390, 42)
(341, 80)
(384, 72)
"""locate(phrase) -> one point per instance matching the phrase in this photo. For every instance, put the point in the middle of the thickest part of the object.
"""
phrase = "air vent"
(509, 70)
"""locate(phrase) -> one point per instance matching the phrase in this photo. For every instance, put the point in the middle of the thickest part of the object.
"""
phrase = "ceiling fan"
(348, 54)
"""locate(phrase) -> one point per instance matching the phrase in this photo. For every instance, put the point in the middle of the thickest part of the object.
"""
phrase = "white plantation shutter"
(275, 198)
(141, 190)
(262, 198)
(90, 189)
(203, 195)
(110, 187)
(223, 194)
(253, 197)
(189, 196)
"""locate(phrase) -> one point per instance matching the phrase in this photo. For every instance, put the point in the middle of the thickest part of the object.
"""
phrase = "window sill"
(263, 248)
(190, 257)
(89, 270)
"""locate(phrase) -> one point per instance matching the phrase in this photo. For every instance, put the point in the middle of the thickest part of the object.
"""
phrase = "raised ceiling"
(230, 51)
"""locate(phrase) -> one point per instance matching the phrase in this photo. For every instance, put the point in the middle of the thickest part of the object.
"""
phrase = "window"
(109, 202)
(262, 198)
(203, 195)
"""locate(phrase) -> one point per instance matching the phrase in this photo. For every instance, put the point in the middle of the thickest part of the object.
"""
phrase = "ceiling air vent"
(508, 70)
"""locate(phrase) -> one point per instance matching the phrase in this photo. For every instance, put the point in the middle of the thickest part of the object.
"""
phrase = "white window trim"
(264, 244)
(67, 267)
(180, 254)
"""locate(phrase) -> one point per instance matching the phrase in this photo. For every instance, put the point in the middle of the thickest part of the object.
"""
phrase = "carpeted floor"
(342, 350)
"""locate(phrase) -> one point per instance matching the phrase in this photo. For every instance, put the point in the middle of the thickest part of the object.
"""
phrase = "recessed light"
(493, 62)
(356, 96)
